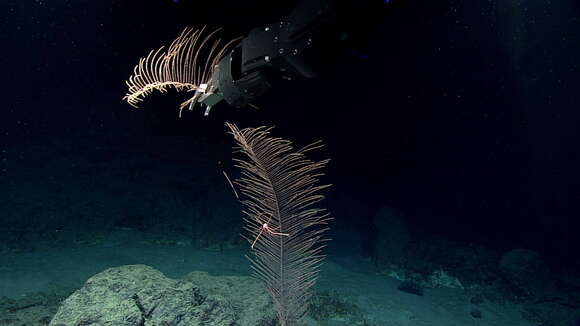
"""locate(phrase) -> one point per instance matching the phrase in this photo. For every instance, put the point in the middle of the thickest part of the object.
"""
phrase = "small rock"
(475, 313)
(411, 287)
(478, 299)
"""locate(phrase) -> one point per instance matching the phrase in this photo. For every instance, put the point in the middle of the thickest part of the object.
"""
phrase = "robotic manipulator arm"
(290, 48)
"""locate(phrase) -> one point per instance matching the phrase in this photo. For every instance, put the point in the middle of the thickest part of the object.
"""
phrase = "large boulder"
(393, 240)
(135, 295)
(248, 298)
(526, 272)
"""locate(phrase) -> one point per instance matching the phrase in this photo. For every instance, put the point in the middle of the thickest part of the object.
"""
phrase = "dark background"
(462, 114)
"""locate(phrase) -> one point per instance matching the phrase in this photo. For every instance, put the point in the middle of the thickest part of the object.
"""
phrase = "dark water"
(452, 129)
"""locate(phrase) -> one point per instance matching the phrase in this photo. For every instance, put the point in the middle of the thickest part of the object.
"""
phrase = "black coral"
(187, 64)
(285, 229)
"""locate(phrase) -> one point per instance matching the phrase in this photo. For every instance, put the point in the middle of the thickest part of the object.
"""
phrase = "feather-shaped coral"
(281, 188)
(186, 64)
